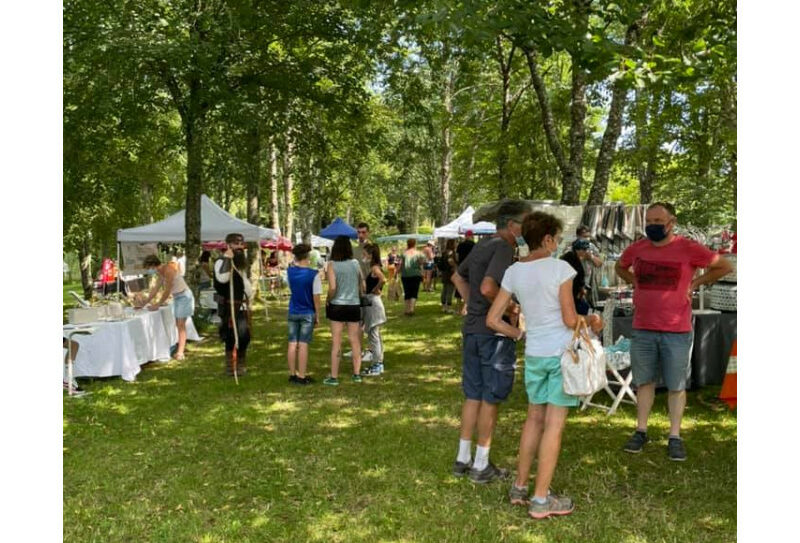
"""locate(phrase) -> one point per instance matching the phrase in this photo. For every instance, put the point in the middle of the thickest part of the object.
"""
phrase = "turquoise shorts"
(543, 382)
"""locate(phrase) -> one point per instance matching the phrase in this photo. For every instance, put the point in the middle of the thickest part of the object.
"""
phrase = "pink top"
(662, 278)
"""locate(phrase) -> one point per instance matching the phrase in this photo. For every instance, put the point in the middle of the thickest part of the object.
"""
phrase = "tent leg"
(119, 267)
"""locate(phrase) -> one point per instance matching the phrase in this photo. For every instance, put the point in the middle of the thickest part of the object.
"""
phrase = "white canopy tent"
(451, 229)
(215, 224)
(479, 228)
(316, 241)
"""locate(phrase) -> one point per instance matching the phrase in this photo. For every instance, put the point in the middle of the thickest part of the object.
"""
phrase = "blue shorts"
(301, 328)
(183, 304)
(661, 354)
(544, 383)
(488, 367)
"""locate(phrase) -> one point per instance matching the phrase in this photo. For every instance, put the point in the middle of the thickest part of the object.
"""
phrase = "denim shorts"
(544, 382)
(301, 328)
(488, 367)
(183, 304)
(661, 354)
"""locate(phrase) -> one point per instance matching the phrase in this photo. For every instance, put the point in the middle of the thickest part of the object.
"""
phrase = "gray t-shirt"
(489, 258)
(348, 275)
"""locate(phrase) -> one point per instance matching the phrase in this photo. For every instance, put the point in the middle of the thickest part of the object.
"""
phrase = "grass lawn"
(184, 455)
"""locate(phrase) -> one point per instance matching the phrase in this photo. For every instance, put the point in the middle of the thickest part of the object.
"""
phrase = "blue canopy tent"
(338, 228)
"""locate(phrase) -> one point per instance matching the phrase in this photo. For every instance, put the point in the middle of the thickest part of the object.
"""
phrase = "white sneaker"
(348, 354)
(366, 357)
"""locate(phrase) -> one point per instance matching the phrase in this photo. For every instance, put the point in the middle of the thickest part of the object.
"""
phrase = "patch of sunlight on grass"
(111, 391)
(635, 539)
(325, 525)
(259, 521)
(208, 538)
(531, 537)
(168, 422)
(712, 522)
(375, 473)
(340, 423)
(282, 406)
(588, 459)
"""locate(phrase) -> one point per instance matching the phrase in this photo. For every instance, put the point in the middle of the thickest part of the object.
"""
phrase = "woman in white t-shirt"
(543, 286)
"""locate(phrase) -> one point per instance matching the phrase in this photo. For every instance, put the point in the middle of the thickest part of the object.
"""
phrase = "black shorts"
(411, 287)
(343, 313)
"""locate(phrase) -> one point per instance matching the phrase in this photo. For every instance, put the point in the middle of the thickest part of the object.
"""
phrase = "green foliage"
(359, 89)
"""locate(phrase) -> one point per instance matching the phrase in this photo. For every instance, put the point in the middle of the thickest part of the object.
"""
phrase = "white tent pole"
(119, 267)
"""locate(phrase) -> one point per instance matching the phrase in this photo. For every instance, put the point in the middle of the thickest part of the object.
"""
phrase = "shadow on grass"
(184, 454)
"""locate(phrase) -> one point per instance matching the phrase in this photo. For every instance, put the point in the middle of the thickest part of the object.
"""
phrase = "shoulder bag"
(583, 364)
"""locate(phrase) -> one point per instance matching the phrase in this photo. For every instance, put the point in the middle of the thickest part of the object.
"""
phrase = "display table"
(714, 335)
(119, 348)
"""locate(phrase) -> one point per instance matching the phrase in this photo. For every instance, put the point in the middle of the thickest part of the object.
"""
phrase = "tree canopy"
(395, 113)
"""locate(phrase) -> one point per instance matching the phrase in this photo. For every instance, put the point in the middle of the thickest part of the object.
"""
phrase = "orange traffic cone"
(728, 392)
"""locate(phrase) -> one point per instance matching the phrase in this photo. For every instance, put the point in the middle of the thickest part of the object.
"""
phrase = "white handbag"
(583, 364)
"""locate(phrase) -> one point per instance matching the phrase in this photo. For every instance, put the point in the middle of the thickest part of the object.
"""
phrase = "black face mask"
(239, 258)
(655, 232)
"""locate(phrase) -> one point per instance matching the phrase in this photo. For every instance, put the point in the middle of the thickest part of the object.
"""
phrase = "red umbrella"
(215, 245)
(281, 244)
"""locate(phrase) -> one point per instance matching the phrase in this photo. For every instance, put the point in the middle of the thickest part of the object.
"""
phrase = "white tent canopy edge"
(215, 224)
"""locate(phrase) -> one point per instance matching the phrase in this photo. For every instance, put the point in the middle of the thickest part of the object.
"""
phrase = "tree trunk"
(253, 185)
(288, 187)
(608, 146)
(273, 187)
(571, 185)
(548, 123)
(447, 149)
(194, 190)
(85, 263)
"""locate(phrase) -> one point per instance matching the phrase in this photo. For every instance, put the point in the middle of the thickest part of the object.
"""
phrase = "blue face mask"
(655, 232)
(521, 241)
(150, 272)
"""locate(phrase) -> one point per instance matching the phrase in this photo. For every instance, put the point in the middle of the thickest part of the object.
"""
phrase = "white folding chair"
(616, 379)
(613, 367)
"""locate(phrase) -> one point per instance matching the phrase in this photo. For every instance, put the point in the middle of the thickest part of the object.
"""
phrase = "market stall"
(120, 346)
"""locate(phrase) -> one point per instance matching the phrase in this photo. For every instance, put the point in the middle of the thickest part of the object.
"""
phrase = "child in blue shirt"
(305, 286)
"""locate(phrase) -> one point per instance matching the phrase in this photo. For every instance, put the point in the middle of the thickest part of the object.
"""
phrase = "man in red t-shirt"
(661, 269)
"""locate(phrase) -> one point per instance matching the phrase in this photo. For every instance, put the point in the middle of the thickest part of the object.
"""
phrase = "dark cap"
(581, 245)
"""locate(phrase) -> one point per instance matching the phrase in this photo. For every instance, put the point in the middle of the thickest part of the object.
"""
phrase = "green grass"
(184, 455)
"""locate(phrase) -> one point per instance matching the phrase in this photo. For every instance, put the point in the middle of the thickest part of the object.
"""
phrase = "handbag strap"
(581, 332)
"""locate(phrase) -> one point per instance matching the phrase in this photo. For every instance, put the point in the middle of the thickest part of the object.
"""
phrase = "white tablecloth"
(119, 348)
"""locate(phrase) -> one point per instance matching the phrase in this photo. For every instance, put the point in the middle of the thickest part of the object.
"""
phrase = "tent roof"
(338, 228)
(403, 237)
(316, 241)
(451, 229)
(215, 224)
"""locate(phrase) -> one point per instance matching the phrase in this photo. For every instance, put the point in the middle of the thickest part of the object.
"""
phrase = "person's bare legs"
(336, 347)
(487, 419)
(645, 394)
(291, 356)
(469, 418)
(677, 403)
(302, 355)
(181, 324)
(354, 335)
(549, 448)
(529, 442)
(411, 305)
